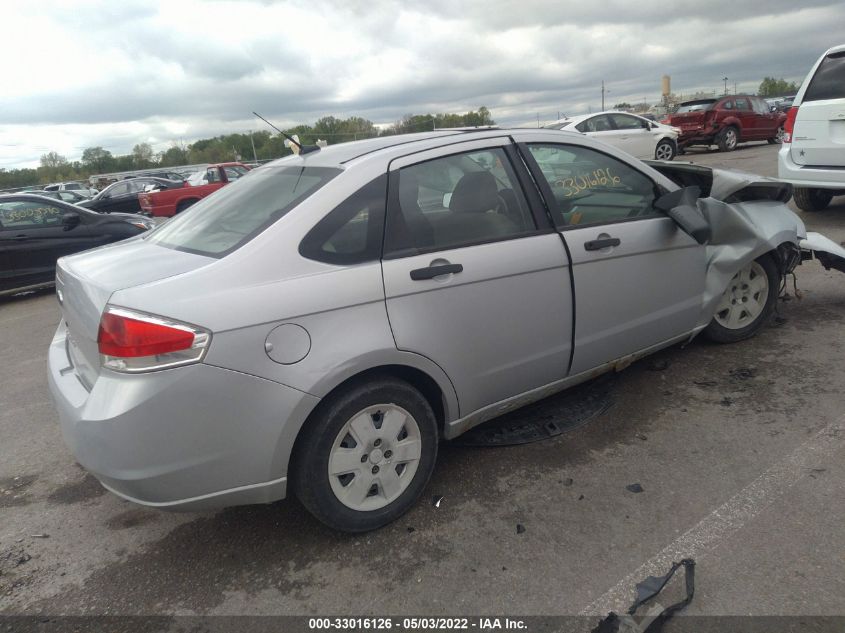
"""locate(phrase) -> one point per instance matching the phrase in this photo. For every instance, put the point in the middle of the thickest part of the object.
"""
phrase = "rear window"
(226, 220)
(829, 80)
(695, 106)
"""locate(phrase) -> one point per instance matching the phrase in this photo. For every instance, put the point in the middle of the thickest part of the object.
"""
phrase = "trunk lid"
(85, 282)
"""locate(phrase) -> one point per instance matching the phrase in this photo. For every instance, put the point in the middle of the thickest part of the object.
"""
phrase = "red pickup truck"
(172, 201)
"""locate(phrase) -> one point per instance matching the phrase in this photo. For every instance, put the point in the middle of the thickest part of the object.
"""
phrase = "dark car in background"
(35, 231)
(122, 196)
(726, 121)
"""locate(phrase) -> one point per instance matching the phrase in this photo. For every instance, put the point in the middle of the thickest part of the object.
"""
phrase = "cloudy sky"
(116, 73)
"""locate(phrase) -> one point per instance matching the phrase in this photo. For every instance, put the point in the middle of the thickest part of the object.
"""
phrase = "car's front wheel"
(747, 303)
(777, 139)
(812, 199)
(366, 455)
(665, 150)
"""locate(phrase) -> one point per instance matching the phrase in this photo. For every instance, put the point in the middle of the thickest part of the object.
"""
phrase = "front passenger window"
(589, 187)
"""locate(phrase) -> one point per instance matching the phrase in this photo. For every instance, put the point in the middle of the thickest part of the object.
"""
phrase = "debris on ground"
(435, 500)
(568, 481)
(657, 615)
(642, 436)
(410, 530)
(658, 364)
(520, 528)
(726, 402)
(635, 488)
(581, 497)
(705, 383)
(39, 536)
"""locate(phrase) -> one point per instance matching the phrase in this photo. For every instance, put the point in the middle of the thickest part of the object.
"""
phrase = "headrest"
(476, 192)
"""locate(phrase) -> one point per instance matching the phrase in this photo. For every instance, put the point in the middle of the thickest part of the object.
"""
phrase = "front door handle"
(20, 238)
(595, 245)
(435, 271)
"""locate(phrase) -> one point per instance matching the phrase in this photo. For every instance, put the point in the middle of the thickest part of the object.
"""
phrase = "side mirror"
(681, 206)
(70, 220)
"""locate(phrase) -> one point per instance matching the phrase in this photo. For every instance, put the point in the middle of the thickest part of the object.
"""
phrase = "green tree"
(771, 87)
(98, 159)
(52, 160)
(142, 155)
(623, 106)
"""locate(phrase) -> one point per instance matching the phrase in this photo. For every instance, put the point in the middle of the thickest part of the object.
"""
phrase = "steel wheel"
(779, 135)
(374, 457)
(744, 299)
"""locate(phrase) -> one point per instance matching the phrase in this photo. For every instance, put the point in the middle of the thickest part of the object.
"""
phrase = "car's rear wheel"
(777, 139)
(665, 150)
(727, 139)
(366, 456)
(812, 199)
(747, 303)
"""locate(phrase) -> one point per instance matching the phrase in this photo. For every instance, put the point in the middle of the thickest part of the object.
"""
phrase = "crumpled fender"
(740, 233)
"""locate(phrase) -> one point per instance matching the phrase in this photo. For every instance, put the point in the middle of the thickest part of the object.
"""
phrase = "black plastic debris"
(653, 621)
(635, 488)
(743, 373)
(552, 416)
(568, 481)
(705, 383)
(520, 528)
(411, 530)
(726, 402)
(581, 498)
(658, 364)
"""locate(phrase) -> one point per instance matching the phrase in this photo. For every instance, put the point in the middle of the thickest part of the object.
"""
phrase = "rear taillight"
(134, 342)
(789, 124)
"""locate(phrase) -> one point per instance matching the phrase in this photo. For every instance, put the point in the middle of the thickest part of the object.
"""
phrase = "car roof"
(393, 146)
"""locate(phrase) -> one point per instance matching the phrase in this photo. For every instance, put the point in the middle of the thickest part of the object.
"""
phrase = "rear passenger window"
(589, 187)
(829, 80)
(455, 201)
(352, 232)
(29, 215)
(742, 104)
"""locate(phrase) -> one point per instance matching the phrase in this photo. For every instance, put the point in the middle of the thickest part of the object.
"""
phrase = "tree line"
(247, 147)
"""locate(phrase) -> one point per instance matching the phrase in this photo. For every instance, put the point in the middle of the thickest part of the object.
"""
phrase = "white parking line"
(727, 518)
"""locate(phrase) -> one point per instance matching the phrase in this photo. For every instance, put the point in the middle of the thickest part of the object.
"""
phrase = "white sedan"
(631, 133)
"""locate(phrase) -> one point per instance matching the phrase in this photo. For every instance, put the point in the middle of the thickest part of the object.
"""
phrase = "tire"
(354, 430)
(727, 139)
(778, 138)
(747, 303)
(665, 150)
(184, 205)
(812, 199)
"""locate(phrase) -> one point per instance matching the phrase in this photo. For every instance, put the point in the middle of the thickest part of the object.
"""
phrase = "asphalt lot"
(740, 451)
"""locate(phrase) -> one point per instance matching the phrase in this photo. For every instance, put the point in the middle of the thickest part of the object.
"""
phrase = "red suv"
(726, 121)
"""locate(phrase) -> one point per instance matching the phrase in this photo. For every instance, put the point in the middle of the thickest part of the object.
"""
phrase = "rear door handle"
(435, 271)
(20, 238)
(595, 245)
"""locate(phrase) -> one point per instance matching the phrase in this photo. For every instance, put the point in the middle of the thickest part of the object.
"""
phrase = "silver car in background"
(319, 325)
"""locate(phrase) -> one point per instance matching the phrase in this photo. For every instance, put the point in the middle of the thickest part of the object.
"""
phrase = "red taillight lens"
(789, 124)
(124, 337)
(134, 342)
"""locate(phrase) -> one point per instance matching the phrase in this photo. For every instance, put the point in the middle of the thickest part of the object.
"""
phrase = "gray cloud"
(381, 60)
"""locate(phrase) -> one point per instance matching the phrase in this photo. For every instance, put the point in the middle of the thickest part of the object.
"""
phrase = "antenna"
(303, 149)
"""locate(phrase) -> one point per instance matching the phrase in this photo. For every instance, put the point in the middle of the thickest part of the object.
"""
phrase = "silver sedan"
(320, 325)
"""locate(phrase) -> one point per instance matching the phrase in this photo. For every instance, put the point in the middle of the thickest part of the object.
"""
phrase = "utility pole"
(725, 79)
(602, 95)
(254, 155)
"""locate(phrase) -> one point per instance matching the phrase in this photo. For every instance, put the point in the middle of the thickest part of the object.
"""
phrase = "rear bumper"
(188, 438)
(808, 176)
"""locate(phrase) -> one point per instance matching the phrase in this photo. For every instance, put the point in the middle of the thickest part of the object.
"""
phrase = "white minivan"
(812, 156)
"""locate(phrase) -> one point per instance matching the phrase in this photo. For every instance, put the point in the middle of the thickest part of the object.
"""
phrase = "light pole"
(602, 94)
(725, 79)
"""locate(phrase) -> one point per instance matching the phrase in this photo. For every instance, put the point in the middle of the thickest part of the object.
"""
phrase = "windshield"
(695, 106)
(226, 220)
